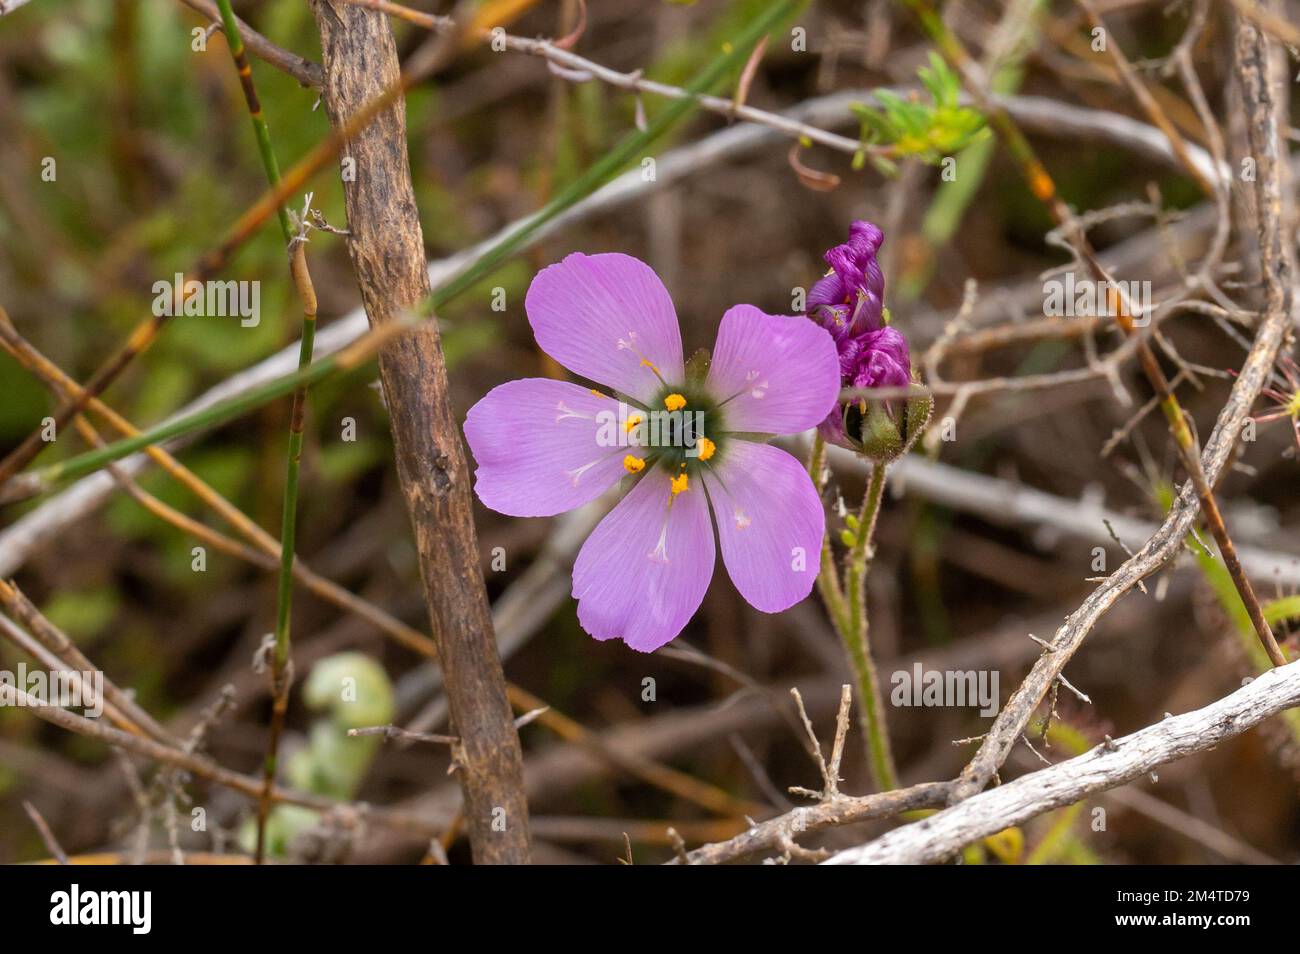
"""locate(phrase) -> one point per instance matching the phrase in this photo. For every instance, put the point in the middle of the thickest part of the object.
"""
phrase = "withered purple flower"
(849, 303)
(850, 298)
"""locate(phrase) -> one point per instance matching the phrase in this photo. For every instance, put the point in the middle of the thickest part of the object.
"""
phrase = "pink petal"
(781, 373)
(770, 523)
(535, 443)
(601, 315)
(644, 570)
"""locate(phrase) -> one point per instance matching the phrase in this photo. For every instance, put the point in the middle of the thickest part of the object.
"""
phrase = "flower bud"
(886, 430)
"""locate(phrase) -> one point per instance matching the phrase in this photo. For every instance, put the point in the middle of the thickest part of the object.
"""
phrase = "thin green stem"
(288, 519)
(260, 130)
(293, 462)
(854, 633)
(280, 671)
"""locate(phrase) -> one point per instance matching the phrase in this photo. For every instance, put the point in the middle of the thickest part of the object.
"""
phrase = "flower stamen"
(629, 344)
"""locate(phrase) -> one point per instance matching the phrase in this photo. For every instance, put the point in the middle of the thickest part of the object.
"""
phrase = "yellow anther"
(632, 422)
(679, 484)
(674, 402)
(1293, 406)
(707, 447)
(633, 464)
(649, 364)
(597, 393)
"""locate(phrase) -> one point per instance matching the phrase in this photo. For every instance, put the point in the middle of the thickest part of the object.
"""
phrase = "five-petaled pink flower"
(544, 447)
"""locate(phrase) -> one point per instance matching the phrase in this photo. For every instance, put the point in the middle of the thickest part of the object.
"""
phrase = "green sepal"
(886, 434)
(697, 368)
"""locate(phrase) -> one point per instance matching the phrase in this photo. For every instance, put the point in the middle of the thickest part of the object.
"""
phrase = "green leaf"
(929, 131)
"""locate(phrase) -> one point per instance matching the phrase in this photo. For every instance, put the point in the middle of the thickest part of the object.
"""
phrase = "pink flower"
(690, 446)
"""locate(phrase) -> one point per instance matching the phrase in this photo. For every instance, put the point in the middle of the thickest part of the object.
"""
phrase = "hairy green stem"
(846, 603)
(871, 708)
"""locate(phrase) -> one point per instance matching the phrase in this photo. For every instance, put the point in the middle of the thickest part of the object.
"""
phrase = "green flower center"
(682, 431)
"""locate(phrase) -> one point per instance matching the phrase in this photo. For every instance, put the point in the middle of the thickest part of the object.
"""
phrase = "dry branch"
(387, 249)
(1107, 766)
